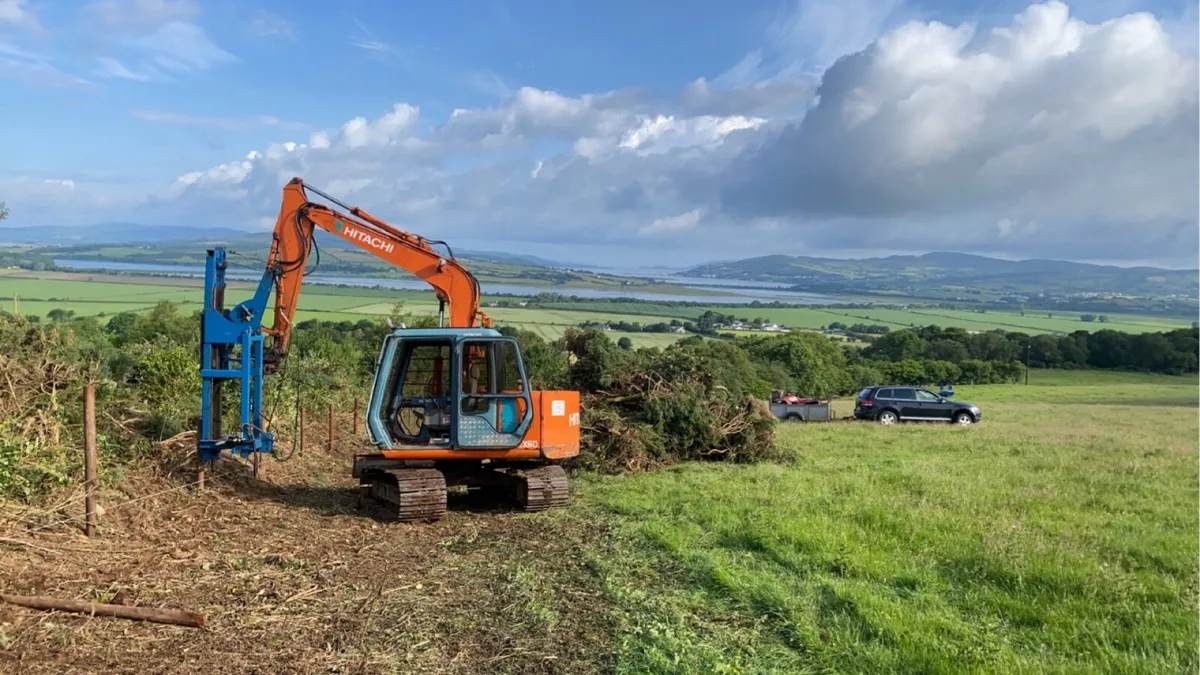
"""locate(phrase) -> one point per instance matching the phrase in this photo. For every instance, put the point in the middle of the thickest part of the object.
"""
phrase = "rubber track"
(417, 494)
(545, 487)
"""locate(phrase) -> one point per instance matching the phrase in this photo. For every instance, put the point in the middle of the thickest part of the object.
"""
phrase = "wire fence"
(330, 430)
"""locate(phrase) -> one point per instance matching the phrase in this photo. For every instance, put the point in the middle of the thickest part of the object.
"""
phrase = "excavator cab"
(453, 407)
(449, 388)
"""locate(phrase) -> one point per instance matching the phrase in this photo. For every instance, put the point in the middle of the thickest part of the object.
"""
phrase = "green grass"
(1090, 387)
(88, 298)
(1053, 537)
(1033, 322)
(103, 299)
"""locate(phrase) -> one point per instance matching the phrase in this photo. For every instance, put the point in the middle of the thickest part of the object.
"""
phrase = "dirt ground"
(293, 578)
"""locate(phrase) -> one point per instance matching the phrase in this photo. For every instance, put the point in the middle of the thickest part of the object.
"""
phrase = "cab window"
(510, 369)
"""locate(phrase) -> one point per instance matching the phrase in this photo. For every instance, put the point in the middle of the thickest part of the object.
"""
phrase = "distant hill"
(509, 258)
(81, 241)
(951, 274)
(111, 233)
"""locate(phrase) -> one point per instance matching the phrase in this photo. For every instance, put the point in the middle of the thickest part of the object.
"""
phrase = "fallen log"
(177, 617)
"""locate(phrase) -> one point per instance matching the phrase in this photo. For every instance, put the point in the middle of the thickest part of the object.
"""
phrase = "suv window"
(884, 393)
(929, 397)
(904, 394)
(865, 393)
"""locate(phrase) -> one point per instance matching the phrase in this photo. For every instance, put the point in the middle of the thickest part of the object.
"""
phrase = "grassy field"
(105, 298)
(1060, 535)
(1032, 322)
(108, 294)
(1057, 536)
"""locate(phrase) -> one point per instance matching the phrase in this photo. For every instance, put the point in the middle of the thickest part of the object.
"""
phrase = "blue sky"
(620, 131)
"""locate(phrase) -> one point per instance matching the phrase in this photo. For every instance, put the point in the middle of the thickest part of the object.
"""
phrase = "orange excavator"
(449, 405)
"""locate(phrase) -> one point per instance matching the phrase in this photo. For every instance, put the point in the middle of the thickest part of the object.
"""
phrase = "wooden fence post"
(331, 428)
(89, 457)
(300, 433)
(354, 420)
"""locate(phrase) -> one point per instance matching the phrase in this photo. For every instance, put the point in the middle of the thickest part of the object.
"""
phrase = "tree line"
(147, 370)
(1172, 352)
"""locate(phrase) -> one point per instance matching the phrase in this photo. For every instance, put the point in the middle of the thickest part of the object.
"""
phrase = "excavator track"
(416, 494)
(543, 488)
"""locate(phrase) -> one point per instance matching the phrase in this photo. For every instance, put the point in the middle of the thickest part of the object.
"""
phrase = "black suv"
(891, 404)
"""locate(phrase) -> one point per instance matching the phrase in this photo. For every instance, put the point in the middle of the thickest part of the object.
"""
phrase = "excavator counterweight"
(448, 406)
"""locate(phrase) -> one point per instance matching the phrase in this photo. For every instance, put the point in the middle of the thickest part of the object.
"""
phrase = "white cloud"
(180, 46)
(671, 224)
(141, 16)
(269, 25)
(162, 36)
(107, 66)
(36, 70)
(27, 197)
(16, 13)
(666, 132)
(807, 36)
(1088, 129)
(539, 114)
(222, 123)
(1046, 136)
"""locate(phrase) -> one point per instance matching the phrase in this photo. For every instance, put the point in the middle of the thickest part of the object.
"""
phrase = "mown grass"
(1050, 538)
(1048, 388)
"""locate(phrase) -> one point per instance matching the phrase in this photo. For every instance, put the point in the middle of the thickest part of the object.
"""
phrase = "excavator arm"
(456, 288)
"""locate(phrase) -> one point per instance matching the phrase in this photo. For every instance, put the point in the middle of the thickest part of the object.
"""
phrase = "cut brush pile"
(40, 374)
(649, 408)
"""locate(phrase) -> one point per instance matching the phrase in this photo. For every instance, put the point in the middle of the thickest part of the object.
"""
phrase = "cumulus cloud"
(25, 194)
(1045, 136)
(667, 225)
(1088, 129)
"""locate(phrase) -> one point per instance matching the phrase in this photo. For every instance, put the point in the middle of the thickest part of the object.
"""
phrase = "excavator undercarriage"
(415, 491)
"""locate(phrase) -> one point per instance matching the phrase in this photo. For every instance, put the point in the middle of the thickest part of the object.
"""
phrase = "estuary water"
(727, 291)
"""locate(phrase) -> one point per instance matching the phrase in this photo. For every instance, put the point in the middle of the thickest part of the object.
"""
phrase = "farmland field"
(103, 299)
(109, 294)
(1032, 322)
(1059, 535)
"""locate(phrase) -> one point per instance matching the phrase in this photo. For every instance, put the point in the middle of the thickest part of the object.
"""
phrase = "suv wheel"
(887, 417)
(963, 418)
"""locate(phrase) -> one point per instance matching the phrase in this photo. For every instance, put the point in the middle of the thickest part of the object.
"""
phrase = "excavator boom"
(456, 288)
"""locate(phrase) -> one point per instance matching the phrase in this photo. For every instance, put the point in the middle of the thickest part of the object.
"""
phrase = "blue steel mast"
(231, 348)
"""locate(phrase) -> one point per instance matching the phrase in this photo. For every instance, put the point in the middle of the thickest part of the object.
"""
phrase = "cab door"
(384, 366)
(493, 408)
